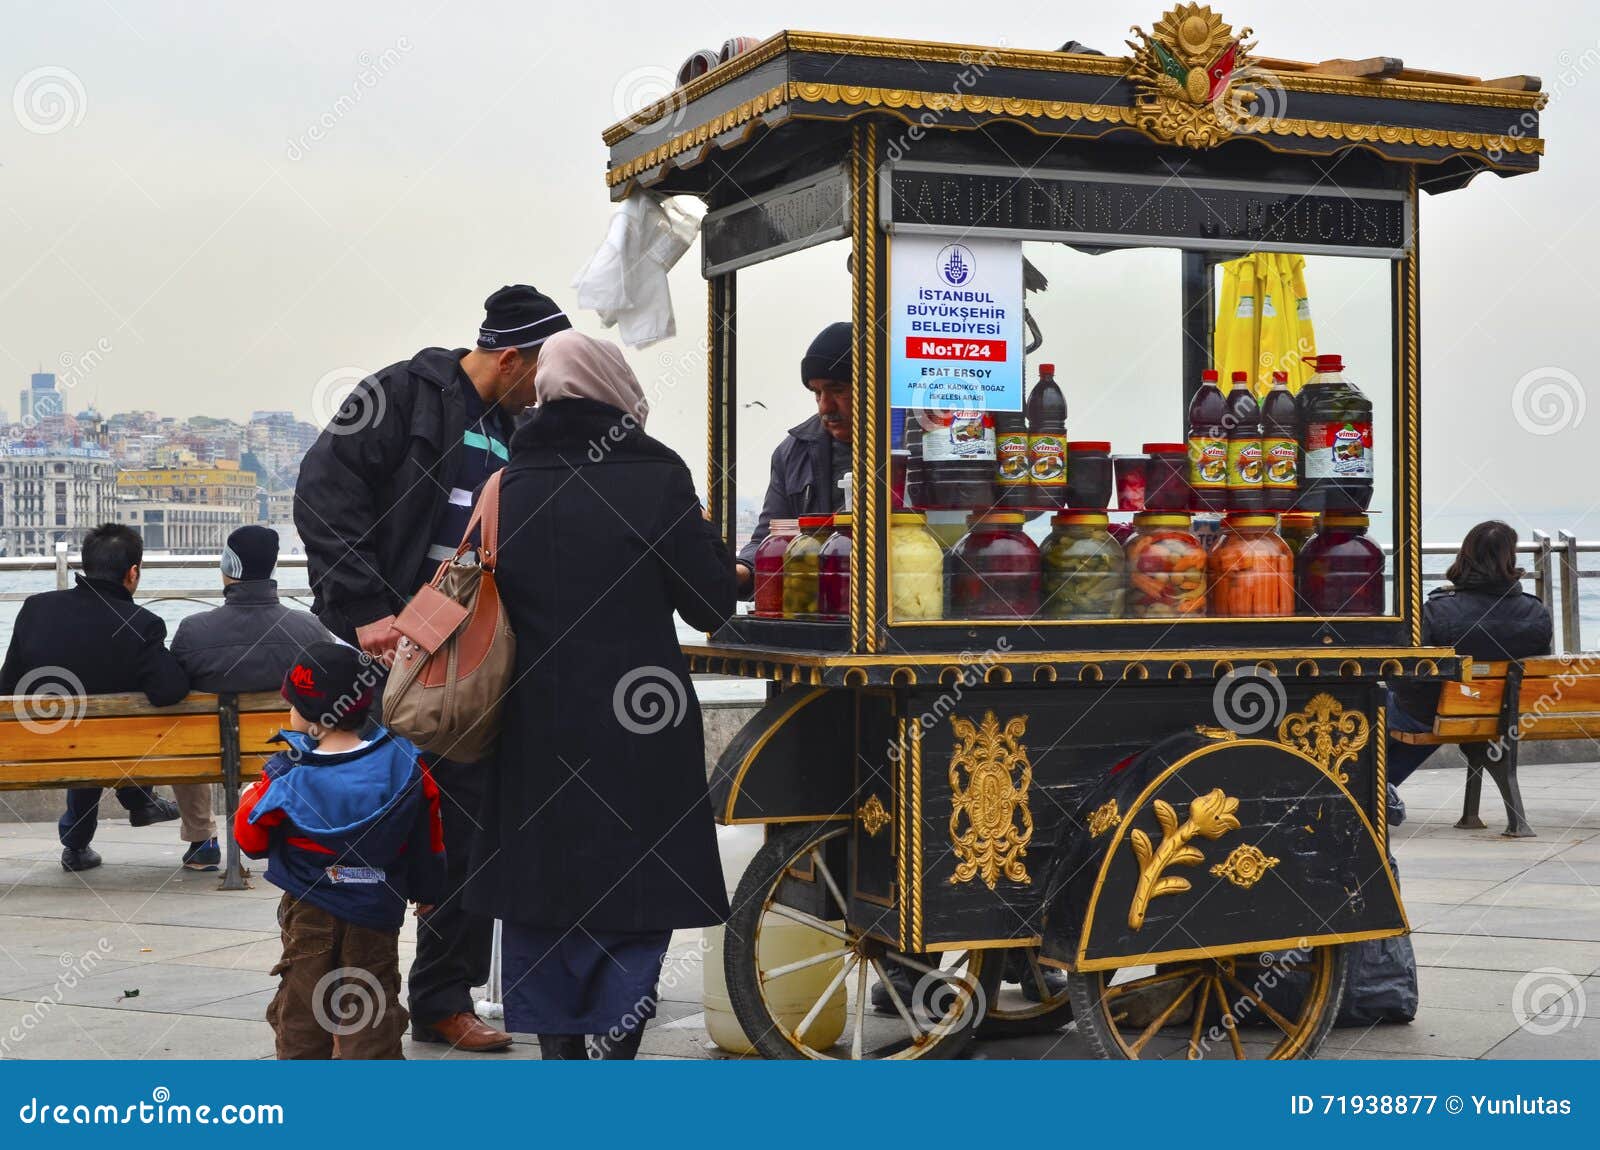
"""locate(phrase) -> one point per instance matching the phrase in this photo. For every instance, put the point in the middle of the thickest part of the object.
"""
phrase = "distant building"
(221, 484)
(179, 528)
(50, 495)
(280, 508)
(40, 400)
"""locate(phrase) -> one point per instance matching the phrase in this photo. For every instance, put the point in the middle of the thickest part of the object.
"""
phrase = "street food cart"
(1183, 810)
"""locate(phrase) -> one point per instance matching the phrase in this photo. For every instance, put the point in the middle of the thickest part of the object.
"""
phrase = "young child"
(348, 819)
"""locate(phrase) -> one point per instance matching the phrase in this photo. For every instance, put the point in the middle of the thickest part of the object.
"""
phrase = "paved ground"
(142, 959)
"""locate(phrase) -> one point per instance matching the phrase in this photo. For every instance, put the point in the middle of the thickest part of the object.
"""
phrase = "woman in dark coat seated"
(1483, 613)
(597, 840)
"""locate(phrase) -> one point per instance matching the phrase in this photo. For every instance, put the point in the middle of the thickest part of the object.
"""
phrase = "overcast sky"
(180, 230)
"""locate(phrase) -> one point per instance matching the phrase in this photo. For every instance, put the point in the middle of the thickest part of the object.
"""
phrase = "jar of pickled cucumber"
(1084, 568)
(916, 568)
(801, 566)
(1166, 567)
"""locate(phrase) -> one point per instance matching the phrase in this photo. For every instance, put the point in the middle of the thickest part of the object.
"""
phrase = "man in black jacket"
(93, 640)
(383, 497)
(247, 644)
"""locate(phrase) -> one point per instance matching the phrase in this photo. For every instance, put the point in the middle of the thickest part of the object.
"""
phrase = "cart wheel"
(1013, 1013)
(951, 990)
(1245, 1006)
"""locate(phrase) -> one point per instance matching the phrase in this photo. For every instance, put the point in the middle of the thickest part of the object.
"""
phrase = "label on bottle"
(968, 437)
(1047, 459)
(1339, 450)
(1208, 462)
(1011, 452)
(1280, 460)
(1244, 463)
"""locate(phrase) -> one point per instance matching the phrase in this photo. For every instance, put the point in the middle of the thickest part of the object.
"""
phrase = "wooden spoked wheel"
(1276, 1005)
(801, 986)
(1025, 1002)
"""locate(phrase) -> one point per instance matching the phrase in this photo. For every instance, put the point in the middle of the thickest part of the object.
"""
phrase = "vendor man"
(808, 465)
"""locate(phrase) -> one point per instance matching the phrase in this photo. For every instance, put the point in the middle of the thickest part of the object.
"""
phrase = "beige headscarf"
(577, 366)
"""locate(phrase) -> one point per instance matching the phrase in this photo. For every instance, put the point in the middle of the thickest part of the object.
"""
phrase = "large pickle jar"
(994, 572)
(1084, 569)
(833, 573)
(800, 568)
(769, 567)
(916, 569)
(1166, 567)
(1251, 568)
(1340, 571)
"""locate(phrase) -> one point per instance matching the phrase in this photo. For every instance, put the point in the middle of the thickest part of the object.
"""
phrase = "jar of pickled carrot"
(1251, 569)
(1166, 567)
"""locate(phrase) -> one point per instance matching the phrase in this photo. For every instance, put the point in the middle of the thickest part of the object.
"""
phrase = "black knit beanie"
(828, 357)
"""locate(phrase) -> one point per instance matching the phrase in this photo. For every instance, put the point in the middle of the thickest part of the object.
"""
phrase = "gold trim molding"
(874, 816)
(1210, 816)
(985, 807)
(1327, 734)
(1105, 817)
(1245, 866)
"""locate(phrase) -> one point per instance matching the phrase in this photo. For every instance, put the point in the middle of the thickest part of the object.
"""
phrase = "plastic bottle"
(1047, 440)
(1012, 465)
(1335, 441)
(1244, 446)
(1280, 446)
(1208, 445)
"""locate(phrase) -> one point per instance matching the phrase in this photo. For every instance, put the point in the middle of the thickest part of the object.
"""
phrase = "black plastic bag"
(1382, 985)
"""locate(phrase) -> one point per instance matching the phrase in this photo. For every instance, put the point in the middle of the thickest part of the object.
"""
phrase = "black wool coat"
(1488, 623)
(597, 811)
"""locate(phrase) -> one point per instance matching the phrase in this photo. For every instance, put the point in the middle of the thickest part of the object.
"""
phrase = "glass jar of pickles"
(994, 572)
(833, 573)
(1166, 567)
(916, 569)
(1297, 527)
(1084, 568)
(801, 566)
(1251, 568)
(769, 567)
(1340, 569)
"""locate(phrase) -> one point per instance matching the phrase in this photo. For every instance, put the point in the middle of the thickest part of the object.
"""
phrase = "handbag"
(453, 665)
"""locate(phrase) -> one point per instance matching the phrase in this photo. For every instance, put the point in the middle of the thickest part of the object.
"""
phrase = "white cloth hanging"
(625, 281)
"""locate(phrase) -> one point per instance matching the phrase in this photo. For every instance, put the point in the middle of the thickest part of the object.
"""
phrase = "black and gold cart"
(983, 804)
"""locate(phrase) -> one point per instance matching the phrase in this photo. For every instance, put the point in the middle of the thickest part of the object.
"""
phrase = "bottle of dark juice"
(1012, 466)
(1335, 441)
(1280, 446)
(1208, 445)
(1047, 440)
(1244, 446)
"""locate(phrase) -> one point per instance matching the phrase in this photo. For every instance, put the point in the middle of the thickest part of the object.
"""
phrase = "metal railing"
(1556, 569)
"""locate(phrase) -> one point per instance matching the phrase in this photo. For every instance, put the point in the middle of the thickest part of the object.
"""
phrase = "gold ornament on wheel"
(1210, 816)
(1245, 867)
(990, 823)
(1181, 72)
(873, 815)
(1327, 733)
(1105, 816)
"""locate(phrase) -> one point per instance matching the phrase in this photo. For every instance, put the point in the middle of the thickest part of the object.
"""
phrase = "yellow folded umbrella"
(1227, 305)
(1305, 331)
(1236, 329)
(1275, 339)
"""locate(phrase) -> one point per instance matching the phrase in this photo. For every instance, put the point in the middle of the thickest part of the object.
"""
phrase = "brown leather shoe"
(464, 1032)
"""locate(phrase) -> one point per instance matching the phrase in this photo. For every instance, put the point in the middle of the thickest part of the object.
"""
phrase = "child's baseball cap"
(330, 683)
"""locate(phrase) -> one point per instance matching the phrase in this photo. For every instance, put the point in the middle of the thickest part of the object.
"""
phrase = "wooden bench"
(1496, 707)
(120, 740)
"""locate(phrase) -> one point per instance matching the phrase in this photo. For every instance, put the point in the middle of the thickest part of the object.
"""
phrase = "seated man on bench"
(95, 639)
(1483, 613)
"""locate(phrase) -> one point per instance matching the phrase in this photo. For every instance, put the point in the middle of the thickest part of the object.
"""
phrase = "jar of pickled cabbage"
(1340, 569)
(1166, 567)
(769, 567)
(1084, 568)
(1251, 569)
(800, 567)
(833, 573)
(994, 572)
(916, 568)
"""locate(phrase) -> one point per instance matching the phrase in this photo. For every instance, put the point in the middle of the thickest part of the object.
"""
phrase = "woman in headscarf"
(1482, 612)
(597, 839)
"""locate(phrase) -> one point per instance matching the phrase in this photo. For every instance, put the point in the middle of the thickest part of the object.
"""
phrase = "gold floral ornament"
(1327, 733)
(1105, 816)
(874, 817)
(1210, 816)
(1181, 72)
(990, 823)
(1245, 867)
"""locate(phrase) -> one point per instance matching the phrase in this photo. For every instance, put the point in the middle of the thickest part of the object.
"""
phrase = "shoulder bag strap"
(485, 514)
